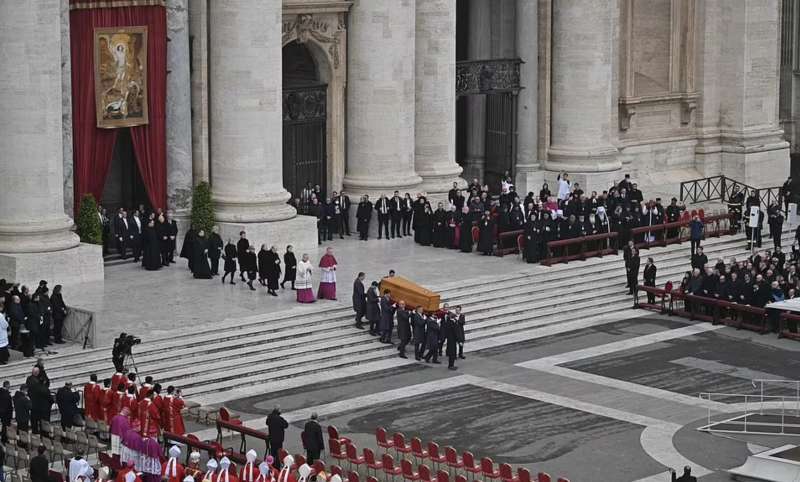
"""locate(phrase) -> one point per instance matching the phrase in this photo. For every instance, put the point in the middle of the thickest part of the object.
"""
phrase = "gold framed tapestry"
(120, 76)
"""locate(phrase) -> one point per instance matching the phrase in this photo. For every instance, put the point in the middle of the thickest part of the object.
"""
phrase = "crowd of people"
(147, 236)
(30, 322)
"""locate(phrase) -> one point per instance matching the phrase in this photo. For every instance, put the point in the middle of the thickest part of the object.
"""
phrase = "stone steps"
(267, 350)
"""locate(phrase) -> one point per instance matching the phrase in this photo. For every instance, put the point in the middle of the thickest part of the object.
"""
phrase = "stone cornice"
(295, 7)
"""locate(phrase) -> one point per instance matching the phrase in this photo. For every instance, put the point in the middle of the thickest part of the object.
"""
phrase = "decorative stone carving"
(687, 107)
(304, 104)
(326, 29)
(626, 111)
(486, 76)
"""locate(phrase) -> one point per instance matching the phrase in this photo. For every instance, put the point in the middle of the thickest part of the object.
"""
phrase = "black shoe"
(462, 357)
(403, 355)
(452, 368)
(437, 362)
(273, 293)
(233, 283)
(359, 326)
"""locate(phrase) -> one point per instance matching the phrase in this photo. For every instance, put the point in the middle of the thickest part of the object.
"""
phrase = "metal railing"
(720, 188)
(761, 414)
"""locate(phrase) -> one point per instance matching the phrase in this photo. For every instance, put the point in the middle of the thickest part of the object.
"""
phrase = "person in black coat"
(486, 235)
(686, 477)
(432, 340)
(387, 318)
(173, 239)
(249, 264)
(633, 271)
(439, 226)
(187, 250)
(649, 274)
(22, 408)
(423, 230)
(418, 322)
(312, 439)
(67, 401)
(135, 235)
(465, 232)
(241, 252)
(151, 259)
(449, 330)
(373, 310)
(290, 266)
(6, 410)
(200, 247)
(230, 261)
(359, 299)
(262, 264)
(40, 466)
(276, 426)
(214, 250)
(460, 321)
(363, 217)
(403, 328)
(273, 270)
(121, 233)
(532, 235)
(165, 245)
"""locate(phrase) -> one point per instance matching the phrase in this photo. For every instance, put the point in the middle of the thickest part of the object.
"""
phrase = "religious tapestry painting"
(120, 62)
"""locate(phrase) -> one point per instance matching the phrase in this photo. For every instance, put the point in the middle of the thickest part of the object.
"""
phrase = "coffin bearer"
(359, 299)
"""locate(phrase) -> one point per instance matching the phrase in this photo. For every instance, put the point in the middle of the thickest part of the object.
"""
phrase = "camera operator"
(122, 348)
(67, 401)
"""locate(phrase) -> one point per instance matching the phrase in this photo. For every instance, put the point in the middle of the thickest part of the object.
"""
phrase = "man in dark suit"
(22, 408)
(650, 271)
(342, 204)
(277, 426)
(241, 254)
(396, 213)
(387, 318)
(312, 439)
(686, 477)
(6, 410)
(403, 328)
(121, 233)
(363, 217)
(39, 466)
(135, 235)
(67, 401)
(359, 299)
(382, 207)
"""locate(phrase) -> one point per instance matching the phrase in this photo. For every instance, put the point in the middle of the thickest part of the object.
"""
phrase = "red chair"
(433, 454)
(469, 464)
(383, 442)
(352, 456)
(282, 453)
(461, 478)
(55, 476)
(442, 476)
(523, 475)
(225, 416)
(424, 473)
(336, 470)
(333, 434)
(372, 479)
(319, 466)
(506, 474)
(543, 477)
(298, 461)
(400, 444)
(452, 459)
(352, 476)
(408, 471)
(388, 466)
(476, 234)
(335, 450)
(416, 449)
(562, 479)
(487, 469)
(701, 213)
(369, 459)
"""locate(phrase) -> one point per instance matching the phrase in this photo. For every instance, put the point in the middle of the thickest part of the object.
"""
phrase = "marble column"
(583, 49)
(528, 173)
(435, 114)
(246, 124)
(36, 241)
(179, 114)
(380, 98)
(198, 36)
(478, 48)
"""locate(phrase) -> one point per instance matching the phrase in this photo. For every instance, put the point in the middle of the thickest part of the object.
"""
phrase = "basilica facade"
(260, 97)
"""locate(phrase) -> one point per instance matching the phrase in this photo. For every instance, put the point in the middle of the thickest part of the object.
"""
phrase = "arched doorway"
(304, 120)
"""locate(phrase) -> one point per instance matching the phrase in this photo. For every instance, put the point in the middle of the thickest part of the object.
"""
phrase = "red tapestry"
(93, 147)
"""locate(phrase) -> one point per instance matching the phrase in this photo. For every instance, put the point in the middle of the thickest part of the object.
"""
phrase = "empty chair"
(523, 475)
(506, 474)
(400, 444)
(381, 440)
(335, 450)
(452, 459)
(461, 478)
(469, 464)
(434, 456)
(543, 477)
(442, 476)
(369, 459)
(388, 466)
(319, 466)
(424, 473)
(487, 469)
(81, 442)
(408, 471)
(333, 433)
(352, 476)
(336, 470)
(352, 455)
(417, 451)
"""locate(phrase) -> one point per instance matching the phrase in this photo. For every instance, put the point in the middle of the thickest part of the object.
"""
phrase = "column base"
(80, 264)
(300, 232)
(184, 219)
(441, 181)
(756, 162)
(382, 183)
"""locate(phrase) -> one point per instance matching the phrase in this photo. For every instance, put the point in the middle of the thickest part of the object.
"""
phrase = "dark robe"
(263, 260)
(214, 251)
(187, 249)
(151, 258)
(373, 312)
(532, 241)
(230, 258)
(465, 236)
(273, 270)
(422, 233)
(432, 334)
(439, 226)
(290, 267)
(404, 326)
(201, 269)
(486, 237)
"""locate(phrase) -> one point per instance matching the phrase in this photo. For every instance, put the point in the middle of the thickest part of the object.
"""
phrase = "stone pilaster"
(435, 74)
(198, 36)
(478, 48)
(583, 47)
(246, 125)
(36, 241)
(528, 175)
(66, 111)
(380, 98)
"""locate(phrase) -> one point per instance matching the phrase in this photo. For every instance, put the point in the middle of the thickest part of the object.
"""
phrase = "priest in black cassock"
(273, 270)
(214, 250)
(187, 250)
(486, 236)
(532, 240)
(262, 265)
(200, 266)
(230, 261)
(151, 257)
(439, 226)
(465, 231)
(422, 231)
(290, 267)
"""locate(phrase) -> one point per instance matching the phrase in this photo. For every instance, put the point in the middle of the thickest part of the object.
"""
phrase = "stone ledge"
(81, 264)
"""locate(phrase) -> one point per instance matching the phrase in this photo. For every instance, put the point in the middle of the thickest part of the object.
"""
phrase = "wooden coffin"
(413, 294)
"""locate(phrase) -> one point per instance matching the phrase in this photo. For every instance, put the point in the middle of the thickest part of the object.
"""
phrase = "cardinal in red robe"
(113, 402)
(91, 399)
(149, 417)
(129, 401)
(171, 410)
(117, 379)
(327, 282)
(225, 474)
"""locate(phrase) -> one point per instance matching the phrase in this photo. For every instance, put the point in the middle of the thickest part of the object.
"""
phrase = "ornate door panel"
(500, 137)
(304, 153)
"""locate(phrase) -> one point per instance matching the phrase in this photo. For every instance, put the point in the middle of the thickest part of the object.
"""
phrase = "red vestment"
(249, 472)
(130, 402)
(113, 404)
(149, 418)
(118, 379)
(123, 472)
(173, 418)
(144, 390)
(91, 400)
(179, 471)
(231, 476)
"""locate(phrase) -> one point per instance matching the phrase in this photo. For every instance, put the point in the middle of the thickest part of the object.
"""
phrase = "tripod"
(129, 362)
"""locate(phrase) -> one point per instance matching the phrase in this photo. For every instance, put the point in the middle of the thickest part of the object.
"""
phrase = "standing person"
(382, 207)
(230, 261)
(373, 309)
(396, 214)
(67, 402)
(407, 212)
(465, 231)
(241, 251)
(22, 408)
(273, 270)
(486, 236)
(201, 268)
(277, 426)
(649, 275)
(4, 355)
(359, 299)
(363, 217)
(419, 322)
(344, 219)
(432, 340)
(187, 248)
(263, 261)
(214, 250)
(686, 477)
(151, 259)
(327, 281)
(460, 321)
(289, 266)
(786, 194)
(164, 243)
(249, 264)
(121, 233)
(564, 187)
(305, 290)
(633, 272)
(775, 222)
(135, 235)
(387, 318)
(312, 439)
(696, 229)
(451, 338)
(173, 239)
(403, 328)
(6, 410)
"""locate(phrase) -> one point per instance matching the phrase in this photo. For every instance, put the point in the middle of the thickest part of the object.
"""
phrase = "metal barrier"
(720, 223)
(788, 325)
(762, 414)
(720, 188)
(79, 327)
(606, 243)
